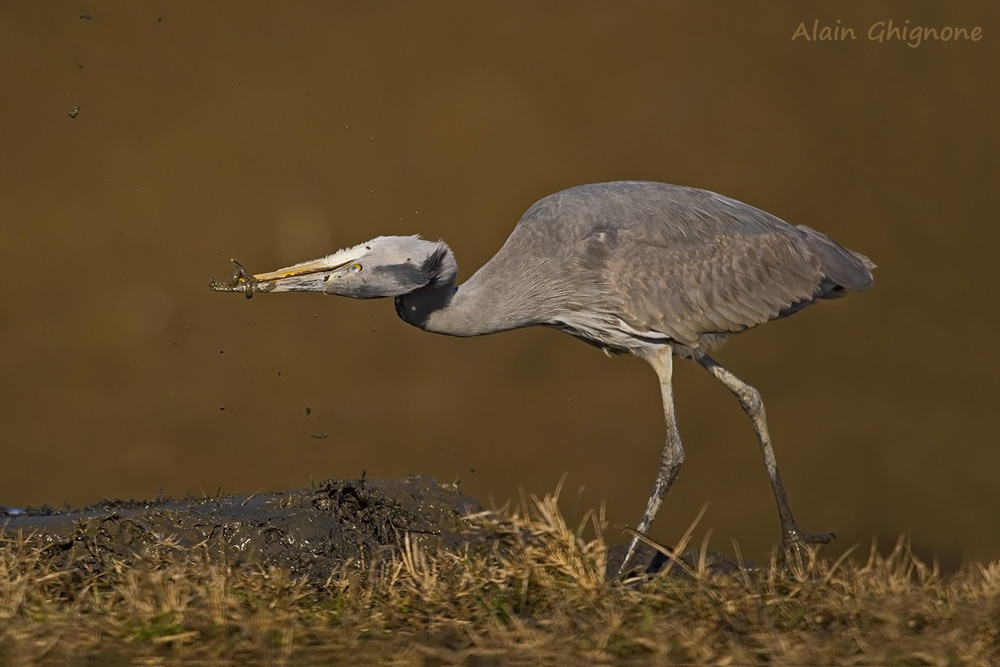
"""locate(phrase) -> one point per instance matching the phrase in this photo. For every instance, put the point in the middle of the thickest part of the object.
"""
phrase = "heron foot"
(794, 545)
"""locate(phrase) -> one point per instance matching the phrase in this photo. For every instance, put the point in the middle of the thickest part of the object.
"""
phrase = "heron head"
(384, 266)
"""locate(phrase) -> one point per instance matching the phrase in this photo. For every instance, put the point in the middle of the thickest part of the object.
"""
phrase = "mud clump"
(311, 532)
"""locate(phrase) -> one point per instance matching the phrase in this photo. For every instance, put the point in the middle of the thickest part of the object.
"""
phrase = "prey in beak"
(311, 276)
(239, 281)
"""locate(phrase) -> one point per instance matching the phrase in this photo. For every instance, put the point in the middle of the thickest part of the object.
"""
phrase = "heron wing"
(691, 263)
(664, 260)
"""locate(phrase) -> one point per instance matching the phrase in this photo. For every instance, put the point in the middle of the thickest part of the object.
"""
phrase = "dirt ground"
(309, 532)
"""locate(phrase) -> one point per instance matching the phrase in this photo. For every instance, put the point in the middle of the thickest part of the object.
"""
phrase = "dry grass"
(536, 595)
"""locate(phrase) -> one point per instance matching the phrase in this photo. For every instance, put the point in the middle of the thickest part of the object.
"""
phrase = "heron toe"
(818, 538)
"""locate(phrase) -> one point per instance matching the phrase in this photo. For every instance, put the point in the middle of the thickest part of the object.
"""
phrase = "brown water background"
(279, 132)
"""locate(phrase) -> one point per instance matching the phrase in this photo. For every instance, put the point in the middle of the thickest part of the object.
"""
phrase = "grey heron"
(632, 267)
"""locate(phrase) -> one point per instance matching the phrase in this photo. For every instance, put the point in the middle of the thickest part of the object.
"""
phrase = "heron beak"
(305, 277)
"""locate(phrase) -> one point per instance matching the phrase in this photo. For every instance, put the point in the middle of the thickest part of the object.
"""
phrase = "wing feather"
(698, 264)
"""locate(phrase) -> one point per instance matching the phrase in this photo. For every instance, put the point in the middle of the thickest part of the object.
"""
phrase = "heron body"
(647, 269)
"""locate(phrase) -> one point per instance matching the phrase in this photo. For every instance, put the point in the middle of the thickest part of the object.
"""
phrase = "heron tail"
(844, 268)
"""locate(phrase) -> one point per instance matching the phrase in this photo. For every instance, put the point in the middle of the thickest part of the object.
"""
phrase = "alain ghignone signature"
(884, 32)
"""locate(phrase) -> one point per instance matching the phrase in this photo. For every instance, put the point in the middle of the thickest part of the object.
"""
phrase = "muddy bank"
(309, 531)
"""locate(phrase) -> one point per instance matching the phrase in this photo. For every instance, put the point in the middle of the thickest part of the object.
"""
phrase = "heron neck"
(489, 302)
(474, 308)
(445, 309)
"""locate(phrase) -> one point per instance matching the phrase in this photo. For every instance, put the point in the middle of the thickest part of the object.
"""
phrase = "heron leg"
(754, 407)
(672, 456)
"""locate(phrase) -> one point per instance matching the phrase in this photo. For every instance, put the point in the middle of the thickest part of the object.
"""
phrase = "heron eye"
(354, 268)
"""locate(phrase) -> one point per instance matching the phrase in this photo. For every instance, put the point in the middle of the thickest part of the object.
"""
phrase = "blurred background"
(144, 144)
